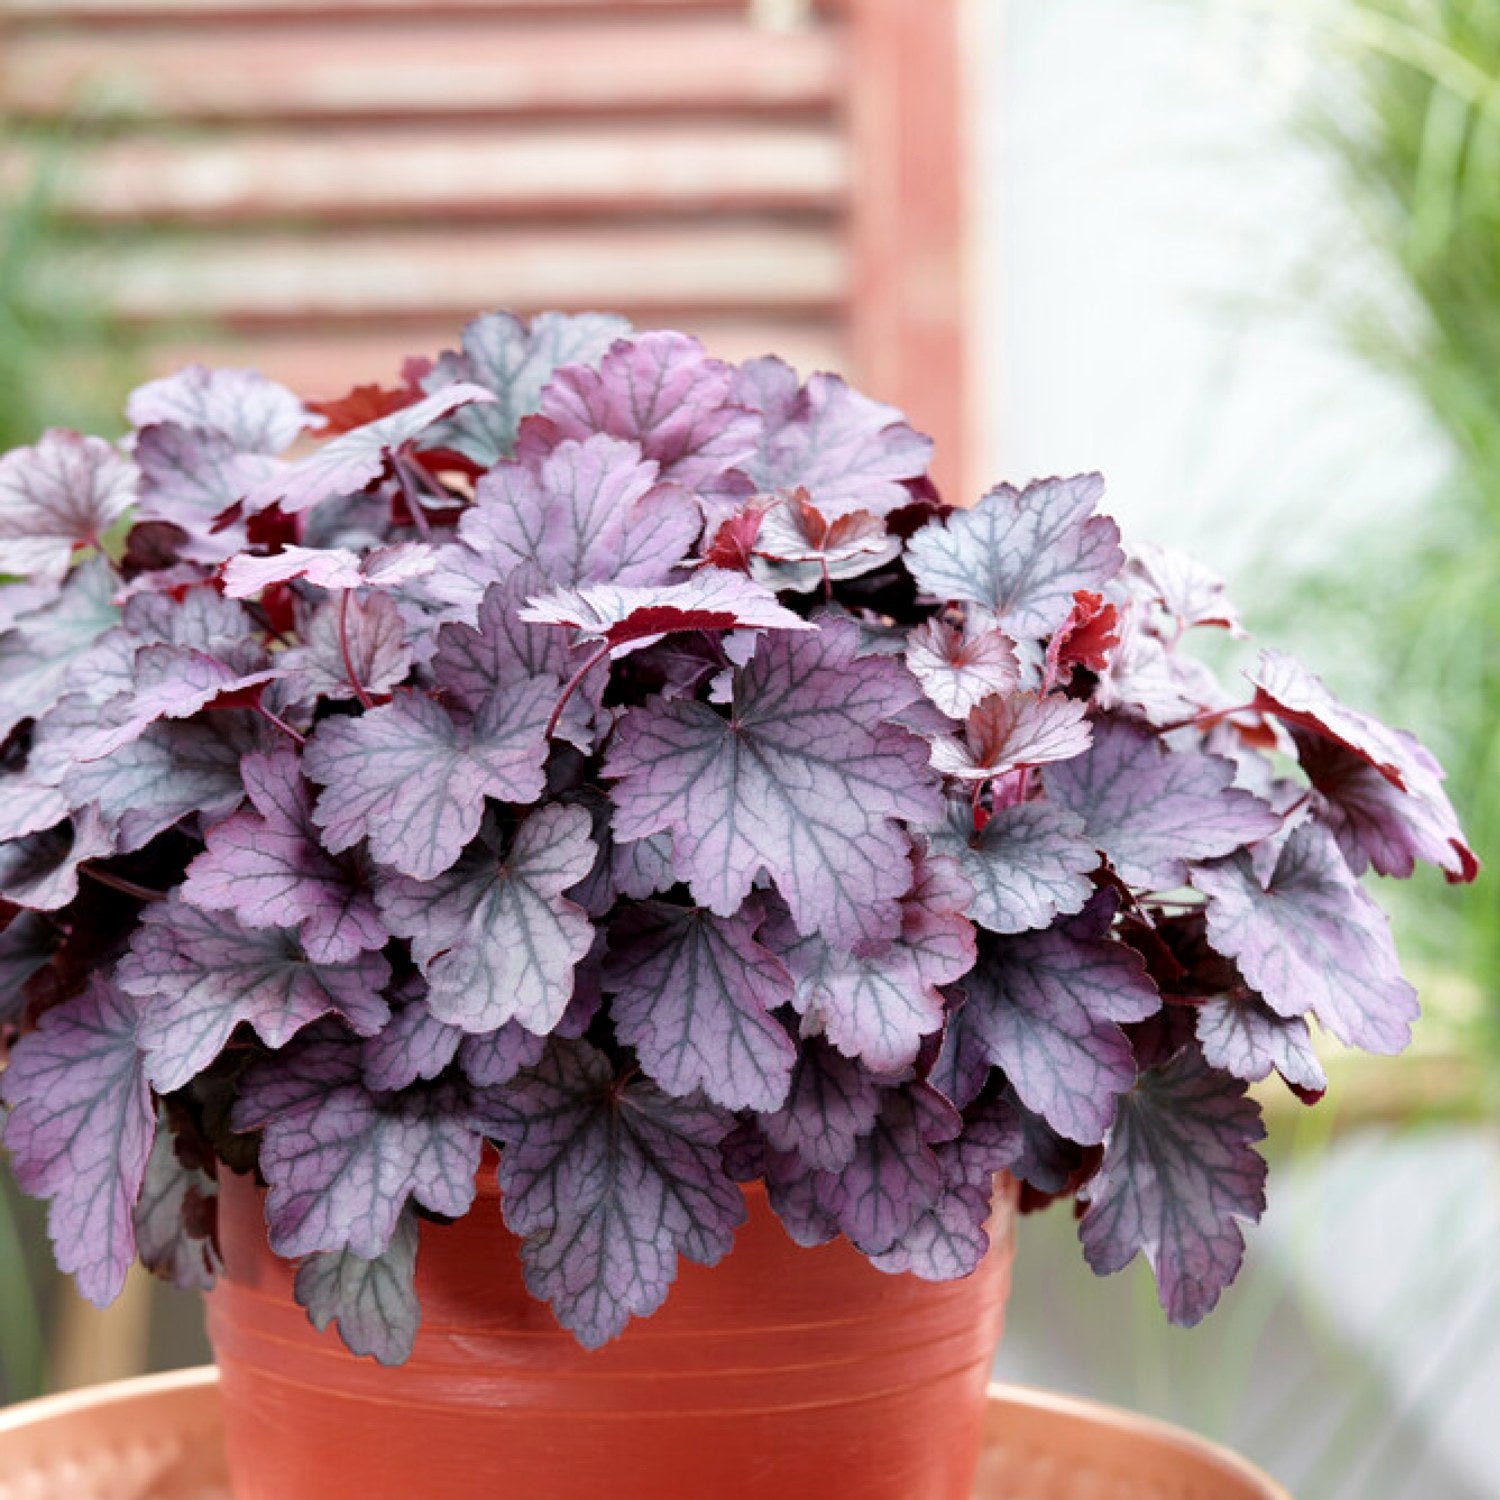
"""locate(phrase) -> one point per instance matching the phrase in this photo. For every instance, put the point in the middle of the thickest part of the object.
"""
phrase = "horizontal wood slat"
(381, 171)
(343, 274)
(316, 365)
(207, 10)
(448, 68)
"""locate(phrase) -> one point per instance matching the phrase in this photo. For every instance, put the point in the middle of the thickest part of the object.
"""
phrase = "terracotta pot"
(780, 1374)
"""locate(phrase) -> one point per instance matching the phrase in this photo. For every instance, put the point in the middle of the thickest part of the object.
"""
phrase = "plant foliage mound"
(624, 759)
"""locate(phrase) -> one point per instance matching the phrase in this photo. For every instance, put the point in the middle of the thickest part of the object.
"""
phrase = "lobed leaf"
(64, 493)
(513, 360)
(1151, 810)
(412, 780)
(1047, 1007)
(1021, 554)
(1029, 863)
(80, 1130)
(373, 1301)
(609, 1181)
(694, 995)
(1179, 1175)
(255, 414)
(804, 779)
(495, 937)
(202, 975)
(1309, 938)
(848, 452)
(266, 866)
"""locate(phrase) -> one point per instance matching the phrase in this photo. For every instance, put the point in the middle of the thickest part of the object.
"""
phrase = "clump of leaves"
(596, 750)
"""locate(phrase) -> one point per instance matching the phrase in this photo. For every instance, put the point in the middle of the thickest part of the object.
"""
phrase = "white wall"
(1153, 240)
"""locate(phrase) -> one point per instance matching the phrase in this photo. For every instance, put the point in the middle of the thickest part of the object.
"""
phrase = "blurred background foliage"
(1406, 107)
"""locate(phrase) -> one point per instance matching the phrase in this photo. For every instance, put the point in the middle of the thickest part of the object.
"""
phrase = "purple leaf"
(329, 568)
(190, 476)
(1179, 1175)
(255, 414)
(1023, 554)
(850, 453)
(609, 1181)
(642, 867)
(1284, 687)
(37, 656)
(413, 781)
(377, 641)
(356, 459)
(962, 1066)
(79, 1132)
(1028, 864)
(958, 669)
(628, 619)
(1191, 593)
(591, 512)
(933, 924)
(1377, 823)
(804, 779)
(876, 1005)
(172, 772)
(1151, 809)
(412, 1046)
(26, 945)
(1246, 1038)
(20, 598)
(502, 650)
(1311, 939)
(514, 361)
(170, 682)
(170, 1210)
(894, 1176)
(1003, 734)
(495, 937)
(40, 871)
(1047, 1007)
(373, 1301)
(28, 804)
(267, 867)
(659, 390)
(694, 995)
(798, 547)
(65, 492)
(831, 1103)
(203, 974)
(950, 1239)
(495, 1057)
(341, 1162)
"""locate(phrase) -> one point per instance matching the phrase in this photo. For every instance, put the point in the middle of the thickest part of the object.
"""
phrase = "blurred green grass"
(1403, 102)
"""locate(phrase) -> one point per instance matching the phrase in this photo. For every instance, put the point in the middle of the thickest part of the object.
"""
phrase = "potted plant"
(593, 817)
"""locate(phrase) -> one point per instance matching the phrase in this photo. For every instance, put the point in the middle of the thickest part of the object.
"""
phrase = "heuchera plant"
(625, 759)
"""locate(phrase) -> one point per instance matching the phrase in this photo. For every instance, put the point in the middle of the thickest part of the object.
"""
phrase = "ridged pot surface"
(779, 1374)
